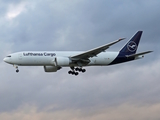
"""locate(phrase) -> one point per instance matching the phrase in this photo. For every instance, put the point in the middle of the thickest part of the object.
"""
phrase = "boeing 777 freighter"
(76, 60)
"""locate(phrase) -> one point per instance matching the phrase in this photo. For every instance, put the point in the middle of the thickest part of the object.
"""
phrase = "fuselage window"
(9, 56)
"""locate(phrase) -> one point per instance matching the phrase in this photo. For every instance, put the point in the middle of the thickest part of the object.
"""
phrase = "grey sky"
(126, 91)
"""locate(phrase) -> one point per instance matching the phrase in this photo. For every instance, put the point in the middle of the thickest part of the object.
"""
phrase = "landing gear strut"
(75, 71)
(16, 66)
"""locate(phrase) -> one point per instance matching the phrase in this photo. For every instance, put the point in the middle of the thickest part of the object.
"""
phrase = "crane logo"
(132, 46)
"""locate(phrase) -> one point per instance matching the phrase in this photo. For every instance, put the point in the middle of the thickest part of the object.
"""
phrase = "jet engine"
(62, 61)
(51, 68)
(58, 63)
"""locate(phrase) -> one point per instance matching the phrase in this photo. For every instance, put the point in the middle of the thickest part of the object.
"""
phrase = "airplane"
(52, 61)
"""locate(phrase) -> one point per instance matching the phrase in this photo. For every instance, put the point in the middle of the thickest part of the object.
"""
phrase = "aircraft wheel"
(17, 70)
(76, 73)
(80, 69)
(73, 73)
(83, 70)
(77, 69)
(69, 72)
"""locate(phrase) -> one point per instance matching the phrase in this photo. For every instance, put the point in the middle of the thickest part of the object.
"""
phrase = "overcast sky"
(128, 91)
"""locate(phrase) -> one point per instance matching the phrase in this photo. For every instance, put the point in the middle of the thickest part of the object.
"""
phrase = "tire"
(83, 70)
(69, 72)
(76, 73)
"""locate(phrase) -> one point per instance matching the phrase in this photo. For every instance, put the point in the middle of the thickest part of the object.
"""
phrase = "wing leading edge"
(95, 51)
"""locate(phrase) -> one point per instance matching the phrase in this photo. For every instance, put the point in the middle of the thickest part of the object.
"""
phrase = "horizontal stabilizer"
(138, 54)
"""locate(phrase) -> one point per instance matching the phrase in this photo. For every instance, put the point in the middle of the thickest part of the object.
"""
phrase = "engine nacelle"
(51, 68)
(62, 61)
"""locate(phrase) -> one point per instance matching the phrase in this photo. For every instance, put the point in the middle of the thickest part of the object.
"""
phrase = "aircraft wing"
(138, 54)
(95, 51)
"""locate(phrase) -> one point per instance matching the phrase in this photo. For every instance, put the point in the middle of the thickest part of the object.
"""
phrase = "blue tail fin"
(132, 45)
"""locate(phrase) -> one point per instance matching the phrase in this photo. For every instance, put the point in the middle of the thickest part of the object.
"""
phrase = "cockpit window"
(9, 56)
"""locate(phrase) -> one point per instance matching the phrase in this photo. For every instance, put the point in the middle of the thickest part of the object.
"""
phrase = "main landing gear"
(75, 71)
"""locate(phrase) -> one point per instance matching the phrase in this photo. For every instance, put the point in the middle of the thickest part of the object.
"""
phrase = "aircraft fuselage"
(42, 58)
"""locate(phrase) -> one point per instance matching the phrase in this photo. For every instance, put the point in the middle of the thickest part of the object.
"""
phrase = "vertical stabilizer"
(132, 45)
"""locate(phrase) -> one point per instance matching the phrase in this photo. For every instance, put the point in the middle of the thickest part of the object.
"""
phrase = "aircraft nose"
(5, 60)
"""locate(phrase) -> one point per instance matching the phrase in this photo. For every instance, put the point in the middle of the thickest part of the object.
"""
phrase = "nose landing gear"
(17, 70)
(16, 66)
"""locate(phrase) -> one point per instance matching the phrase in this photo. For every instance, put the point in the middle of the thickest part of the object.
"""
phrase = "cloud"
(110, 87)
(15, 10)
(62, 24)
(124, 111)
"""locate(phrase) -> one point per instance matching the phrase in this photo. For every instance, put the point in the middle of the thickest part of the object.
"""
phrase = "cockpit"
(8, 56)
(7, 59)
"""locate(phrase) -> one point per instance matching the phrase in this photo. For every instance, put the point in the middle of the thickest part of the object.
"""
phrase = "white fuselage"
(47, 58)
(55, 60)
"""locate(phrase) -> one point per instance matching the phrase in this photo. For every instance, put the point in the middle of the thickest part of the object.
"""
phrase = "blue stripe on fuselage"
(120, 59)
